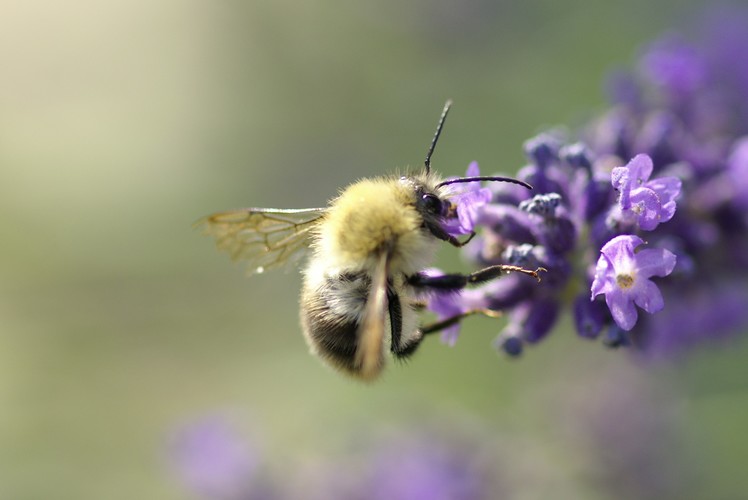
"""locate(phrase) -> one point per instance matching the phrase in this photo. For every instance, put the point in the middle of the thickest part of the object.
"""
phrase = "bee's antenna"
(491, 178)
(439, 126)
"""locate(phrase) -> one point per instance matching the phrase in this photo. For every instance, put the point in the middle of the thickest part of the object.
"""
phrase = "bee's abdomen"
(331, 315)
(334, 341)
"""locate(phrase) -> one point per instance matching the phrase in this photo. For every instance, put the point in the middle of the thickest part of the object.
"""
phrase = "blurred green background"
(121, 123)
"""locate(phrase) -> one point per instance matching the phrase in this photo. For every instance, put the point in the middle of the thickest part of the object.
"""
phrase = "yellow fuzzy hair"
(373, 215)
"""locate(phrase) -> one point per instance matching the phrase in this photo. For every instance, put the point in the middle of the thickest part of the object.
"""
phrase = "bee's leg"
(443, 235)
(407, 350)
(459, 281)
(447, 282)
(446, 323)
(453, 282)
(400, 349)
(394, 308)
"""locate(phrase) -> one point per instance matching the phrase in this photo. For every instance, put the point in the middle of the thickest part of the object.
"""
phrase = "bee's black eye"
(432, 204)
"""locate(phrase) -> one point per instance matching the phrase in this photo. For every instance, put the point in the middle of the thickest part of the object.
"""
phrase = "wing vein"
(263, 237)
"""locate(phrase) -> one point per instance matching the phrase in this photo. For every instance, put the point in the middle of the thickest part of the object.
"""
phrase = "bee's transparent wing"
(265, 238)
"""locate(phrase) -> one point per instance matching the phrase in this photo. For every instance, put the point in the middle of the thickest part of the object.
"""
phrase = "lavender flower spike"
(648, 202)
(622, 275)
(682, 126)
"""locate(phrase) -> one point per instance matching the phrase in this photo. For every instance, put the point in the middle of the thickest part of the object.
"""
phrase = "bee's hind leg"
(404, 351)
(401, 351)
(452, 320)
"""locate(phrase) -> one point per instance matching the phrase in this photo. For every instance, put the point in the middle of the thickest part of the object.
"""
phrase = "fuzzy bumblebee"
(369, 248)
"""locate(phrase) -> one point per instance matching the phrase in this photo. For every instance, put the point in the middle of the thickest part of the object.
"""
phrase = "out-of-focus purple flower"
(622, 275)
(529, 323)
(510, 341)
(508, 221)
(589, 316)
(626, 431)
(695, 315)
(675, 65)
(468, 198)
(649, 202)
(616, 337)
(425, 469)
(737, 173)
(213, 460)
(543, 173)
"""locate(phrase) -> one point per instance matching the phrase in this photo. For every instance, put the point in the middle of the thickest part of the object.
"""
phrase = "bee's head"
(433, 200)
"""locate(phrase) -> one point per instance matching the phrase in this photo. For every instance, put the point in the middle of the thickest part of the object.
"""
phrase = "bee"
(363, 283)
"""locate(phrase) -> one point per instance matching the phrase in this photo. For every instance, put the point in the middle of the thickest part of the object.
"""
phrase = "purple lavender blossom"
(529, 323)
(650, 203)
(589, 316)
(627, 432)
(675, 65)
(429, 466)
(691, 317)
(467, 197)
(737, 174)
(622, 275)
(212, 460)
(668, 163)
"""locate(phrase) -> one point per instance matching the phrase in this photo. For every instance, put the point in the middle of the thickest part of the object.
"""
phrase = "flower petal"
(648, 297)
(646, 205)
(620, 180)
(622, 309)
(667, 188)
(468, 208)
(603, 277)
(640, 168)
(473, 169)
(622, 245)
(655, 262)
(450, 335)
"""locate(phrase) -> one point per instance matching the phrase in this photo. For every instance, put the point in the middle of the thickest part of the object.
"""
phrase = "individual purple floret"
(589, 316)
(622, 275)
(649, 203)
(469, 198)
(667, 163)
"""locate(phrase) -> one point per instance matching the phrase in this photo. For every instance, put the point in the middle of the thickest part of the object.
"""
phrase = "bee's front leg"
(456, 281)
